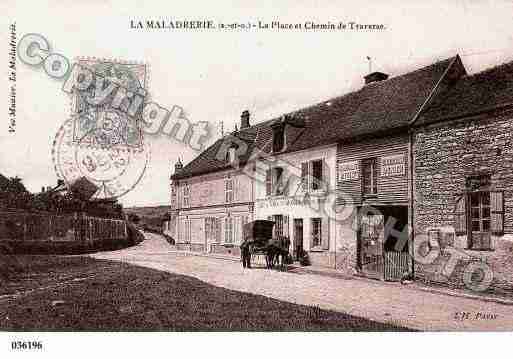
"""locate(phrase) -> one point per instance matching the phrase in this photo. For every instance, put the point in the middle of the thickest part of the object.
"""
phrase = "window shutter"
(268, 182)
(236, 230)
(460, 215)
(218, 229)
(311, 233)
(304, 176)
(497, 212)
(285, 226)
(325, 233)
(325, 175)
(235, 191)
(181, 231)
(309, 176)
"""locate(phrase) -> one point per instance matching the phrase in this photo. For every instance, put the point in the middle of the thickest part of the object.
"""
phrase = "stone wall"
(445, 155)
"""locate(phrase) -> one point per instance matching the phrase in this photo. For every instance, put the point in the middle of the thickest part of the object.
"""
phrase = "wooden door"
(371, 245)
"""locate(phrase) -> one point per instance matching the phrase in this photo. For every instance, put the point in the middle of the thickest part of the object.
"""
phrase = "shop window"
(369, 176)
(228, 190)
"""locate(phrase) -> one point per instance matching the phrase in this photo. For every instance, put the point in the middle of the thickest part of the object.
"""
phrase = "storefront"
(373, 191)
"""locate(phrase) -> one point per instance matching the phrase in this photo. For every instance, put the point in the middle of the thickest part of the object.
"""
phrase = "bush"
(134, 235)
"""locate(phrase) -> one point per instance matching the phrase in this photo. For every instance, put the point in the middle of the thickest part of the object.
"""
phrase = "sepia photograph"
(201, 176)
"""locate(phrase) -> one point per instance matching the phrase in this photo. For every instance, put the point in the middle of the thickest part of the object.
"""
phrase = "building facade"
(367, 181)
(294, 193)
(463, 199)
(373, 184)
(211, 210)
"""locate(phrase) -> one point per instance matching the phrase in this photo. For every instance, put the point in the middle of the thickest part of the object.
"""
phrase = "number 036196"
(26, 345)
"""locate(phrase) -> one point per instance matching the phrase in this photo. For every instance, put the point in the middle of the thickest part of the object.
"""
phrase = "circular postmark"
(103, 156)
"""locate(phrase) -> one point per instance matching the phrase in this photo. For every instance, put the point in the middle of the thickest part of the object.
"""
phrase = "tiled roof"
(471, 94)
(378, 107)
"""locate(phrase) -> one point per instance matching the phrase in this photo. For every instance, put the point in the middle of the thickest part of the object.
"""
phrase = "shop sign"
(393, 166)
(348, 171)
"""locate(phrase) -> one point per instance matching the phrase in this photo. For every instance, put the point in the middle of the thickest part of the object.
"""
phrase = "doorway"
(371, 241)
(380, 254)
(298, 239)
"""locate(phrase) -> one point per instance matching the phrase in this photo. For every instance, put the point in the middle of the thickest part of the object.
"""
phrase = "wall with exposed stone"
(445, 155)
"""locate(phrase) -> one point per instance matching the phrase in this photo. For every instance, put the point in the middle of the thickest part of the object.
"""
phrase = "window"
(228, 190)
(275, 182)
(211, 224)
(278, 138)
(312, 177)
(173, 196)
(369, 176)
(478, 215)
(316, 174)
(186, 195)
(278, 225)
(230, 154)
(278, 186)
(187, 230)
(316, 232)
(281, 225)
(228, 230)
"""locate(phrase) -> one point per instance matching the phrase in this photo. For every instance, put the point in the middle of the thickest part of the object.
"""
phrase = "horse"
(277, 251)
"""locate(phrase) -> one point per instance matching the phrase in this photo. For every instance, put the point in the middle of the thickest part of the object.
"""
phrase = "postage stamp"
(101, 143)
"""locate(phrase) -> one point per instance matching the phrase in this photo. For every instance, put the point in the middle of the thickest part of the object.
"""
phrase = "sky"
(215, 75)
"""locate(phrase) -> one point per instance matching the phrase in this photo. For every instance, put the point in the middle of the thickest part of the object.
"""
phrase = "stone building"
(463, 181)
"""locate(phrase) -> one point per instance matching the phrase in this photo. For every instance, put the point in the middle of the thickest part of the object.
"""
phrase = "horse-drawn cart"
(258, 241)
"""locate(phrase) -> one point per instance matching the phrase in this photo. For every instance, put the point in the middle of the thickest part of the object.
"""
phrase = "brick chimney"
(375, 77)
(244, 120)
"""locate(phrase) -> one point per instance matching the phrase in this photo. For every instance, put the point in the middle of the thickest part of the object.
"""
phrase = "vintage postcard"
(255, 167)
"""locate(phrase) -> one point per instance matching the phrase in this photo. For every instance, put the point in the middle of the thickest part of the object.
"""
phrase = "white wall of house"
(292, 202)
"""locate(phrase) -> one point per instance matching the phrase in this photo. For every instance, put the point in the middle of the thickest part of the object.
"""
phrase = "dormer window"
(230, 155)
(278, 137)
